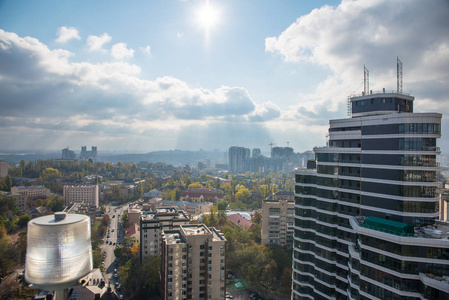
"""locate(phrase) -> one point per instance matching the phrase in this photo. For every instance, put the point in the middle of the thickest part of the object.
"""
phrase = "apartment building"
(4, 166)
(278, 215)
(193, 263)
(152, 223)
(32, 192)
(81, 194)
(366, 222)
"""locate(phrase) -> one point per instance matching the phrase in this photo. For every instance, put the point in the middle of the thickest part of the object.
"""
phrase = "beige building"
(191, 208)
(81, 193)
(444, 203)
(153, 223)
(193, 263)
(278, 217)
(32, 192)
(4, 166)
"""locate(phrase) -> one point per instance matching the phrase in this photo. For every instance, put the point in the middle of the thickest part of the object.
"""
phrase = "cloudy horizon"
(151, 78)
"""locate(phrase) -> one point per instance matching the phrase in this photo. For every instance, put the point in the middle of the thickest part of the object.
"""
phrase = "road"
(115, 234)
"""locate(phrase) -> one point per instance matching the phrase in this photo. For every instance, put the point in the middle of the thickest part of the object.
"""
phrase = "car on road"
(110, 243)
(115, 275)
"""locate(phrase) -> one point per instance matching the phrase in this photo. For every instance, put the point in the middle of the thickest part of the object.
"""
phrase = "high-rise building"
(366, 223)
(278, 214)
(152, 223)
(239, 159)
(4, 166)
(193, 263)
(68, 154)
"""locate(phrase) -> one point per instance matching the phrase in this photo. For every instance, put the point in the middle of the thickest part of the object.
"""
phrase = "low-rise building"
(202, 195)
(81, 194)
(191, 208)
(133, 231)
(193, 263)
(33, 192)
(278, 217)
(240, 221)
(152, 224)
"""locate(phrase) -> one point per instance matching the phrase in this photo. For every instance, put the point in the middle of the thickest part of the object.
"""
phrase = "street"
(115, 234)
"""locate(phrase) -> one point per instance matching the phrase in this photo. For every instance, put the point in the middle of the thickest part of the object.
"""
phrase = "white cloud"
(95, 43)
(120, 51)
(146, 50)
(43, 92)
(354, 33)
(66, 34)
(179, 35)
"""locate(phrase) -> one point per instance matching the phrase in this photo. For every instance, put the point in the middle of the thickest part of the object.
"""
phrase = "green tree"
(8, 183)
(23, 221)
(22, 166)
(55, 203)
(222, 205)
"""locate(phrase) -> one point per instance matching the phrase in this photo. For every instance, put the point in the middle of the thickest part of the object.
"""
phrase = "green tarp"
(388, 226)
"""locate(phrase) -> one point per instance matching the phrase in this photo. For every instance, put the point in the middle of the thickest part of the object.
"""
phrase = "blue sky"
(141, 76)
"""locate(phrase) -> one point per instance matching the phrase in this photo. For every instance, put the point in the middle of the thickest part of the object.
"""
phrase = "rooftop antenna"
(365, 81)
(399, 75)
(288, 143)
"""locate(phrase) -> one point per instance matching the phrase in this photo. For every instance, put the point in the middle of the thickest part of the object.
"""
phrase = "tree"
(257, 217)
(22, 166)
(222, 205)
(55, 203)
(23, 221)
(243, 194)
(8, 183)
(195, 185)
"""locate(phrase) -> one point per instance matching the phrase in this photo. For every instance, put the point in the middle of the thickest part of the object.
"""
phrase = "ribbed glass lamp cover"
(59, 251)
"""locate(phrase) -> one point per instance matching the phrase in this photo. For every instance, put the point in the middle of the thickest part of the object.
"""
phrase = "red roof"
(240, 221)
(133, 229)
(206, 193)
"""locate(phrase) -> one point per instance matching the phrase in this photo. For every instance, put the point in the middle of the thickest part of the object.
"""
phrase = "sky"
(141, 76)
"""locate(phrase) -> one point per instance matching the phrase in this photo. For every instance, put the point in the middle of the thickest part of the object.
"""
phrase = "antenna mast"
(399, 75)
(365, 80)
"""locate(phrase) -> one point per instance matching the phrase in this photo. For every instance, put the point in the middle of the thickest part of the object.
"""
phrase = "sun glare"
(208, 16)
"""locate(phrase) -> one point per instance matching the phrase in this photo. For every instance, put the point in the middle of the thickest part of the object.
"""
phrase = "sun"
(208, 16)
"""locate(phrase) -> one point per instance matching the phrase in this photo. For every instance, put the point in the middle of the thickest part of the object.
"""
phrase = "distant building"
(81, 194)
(152, 194)
(193, 263)
(4, 166)
(21, 200)
(281, 152)
(278, 218)
(68, 154)
(238, 159)
(89, 155)
(33, 192)
(153, 223)
(202, 195)
(191, 208)
(444, 203)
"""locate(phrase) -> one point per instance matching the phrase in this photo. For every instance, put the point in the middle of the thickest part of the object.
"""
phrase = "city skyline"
(162, 75)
